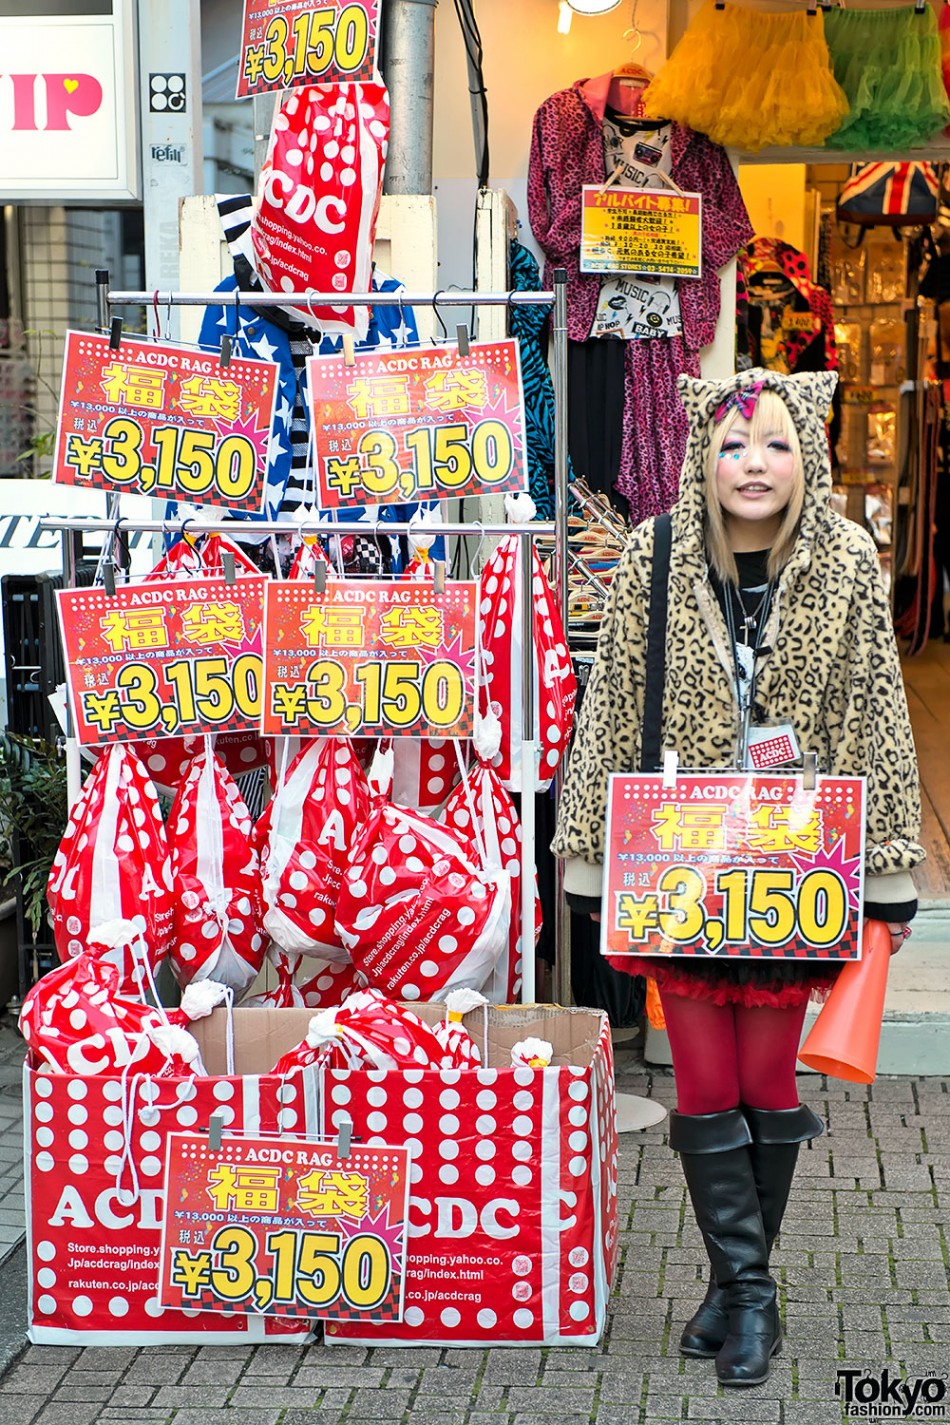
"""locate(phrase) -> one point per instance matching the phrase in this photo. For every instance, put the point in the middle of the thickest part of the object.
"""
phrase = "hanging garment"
(567, 151)
(788, 318)
(748, 79)
(888, 63)
(526, 324)
(595, 402)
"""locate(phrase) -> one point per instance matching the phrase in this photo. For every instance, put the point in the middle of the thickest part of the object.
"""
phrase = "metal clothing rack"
(525, 533)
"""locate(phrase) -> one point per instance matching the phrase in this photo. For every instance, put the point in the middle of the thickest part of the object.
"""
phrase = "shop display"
(77, 1022)
(369, 1031)
(508, 1143)
(285, 47)
(626, 399)
(786, 323)
(888, 63)
(418, 915)
(148, 418)
(787, 93)
(439, 424)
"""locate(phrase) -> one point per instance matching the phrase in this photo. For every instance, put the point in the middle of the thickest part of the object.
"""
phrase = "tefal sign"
(68, 94)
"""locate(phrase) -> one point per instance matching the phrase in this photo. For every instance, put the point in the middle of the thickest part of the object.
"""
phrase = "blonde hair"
(770, 417)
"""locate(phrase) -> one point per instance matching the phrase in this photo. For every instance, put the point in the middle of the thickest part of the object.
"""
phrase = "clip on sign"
(295, 43)
(284, 1226)
(734, 865)
(422, 424)
(191, 658)
(166, 421)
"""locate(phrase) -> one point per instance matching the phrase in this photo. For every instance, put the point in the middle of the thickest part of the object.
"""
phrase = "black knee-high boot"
(776, 1137)
(715, 1152)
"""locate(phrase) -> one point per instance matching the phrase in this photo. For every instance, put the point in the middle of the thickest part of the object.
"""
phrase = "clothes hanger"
(631, 71)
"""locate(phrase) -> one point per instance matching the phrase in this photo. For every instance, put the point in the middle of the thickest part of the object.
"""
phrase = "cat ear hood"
(808, 398)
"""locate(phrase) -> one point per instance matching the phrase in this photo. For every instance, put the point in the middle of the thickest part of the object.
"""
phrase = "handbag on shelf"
(890, 195)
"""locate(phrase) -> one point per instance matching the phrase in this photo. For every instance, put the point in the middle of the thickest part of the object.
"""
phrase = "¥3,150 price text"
(309, 1268)
(372, 694)
(764, 907)
(196, 462)
(308, 46)
(436, 457)
(185, 693)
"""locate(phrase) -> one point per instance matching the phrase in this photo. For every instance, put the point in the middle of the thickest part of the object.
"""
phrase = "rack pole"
(562, 919)
(528, 775)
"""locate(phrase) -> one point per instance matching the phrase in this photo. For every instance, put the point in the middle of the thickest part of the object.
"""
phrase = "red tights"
(727, 1054)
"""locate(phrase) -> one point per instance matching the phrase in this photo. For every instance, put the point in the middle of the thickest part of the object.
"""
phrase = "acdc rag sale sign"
(421, 424)
(734, 865)
(153, 419)
(285, 1227)
(369, 659)
(164, 658)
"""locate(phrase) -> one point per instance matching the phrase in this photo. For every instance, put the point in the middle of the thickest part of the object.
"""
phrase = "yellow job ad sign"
(641, 230)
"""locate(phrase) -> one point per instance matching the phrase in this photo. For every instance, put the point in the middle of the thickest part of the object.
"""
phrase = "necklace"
(750, 617)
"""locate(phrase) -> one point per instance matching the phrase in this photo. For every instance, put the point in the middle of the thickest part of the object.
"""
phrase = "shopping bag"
(318, 198)
(113, 864)
(501, 599)
(219, 933)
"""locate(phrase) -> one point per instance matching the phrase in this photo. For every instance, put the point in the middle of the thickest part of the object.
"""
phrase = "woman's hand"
(899, 932)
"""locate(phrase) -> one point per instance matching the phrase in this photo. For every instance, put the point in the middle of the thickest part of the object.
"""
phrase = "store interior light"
(564, 16)
(593, 7)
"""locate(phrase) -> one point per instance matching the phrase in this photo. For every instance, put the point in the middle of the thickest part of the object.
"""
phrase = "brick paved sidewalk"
(864, 1283)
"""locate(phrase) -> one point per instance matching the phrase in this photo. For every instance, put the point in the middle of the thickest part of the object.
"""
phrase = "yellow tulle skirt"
(751, 79)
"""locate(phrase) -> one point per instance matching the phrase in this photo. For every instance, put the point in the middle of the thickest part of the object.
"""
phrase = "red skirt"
(772, 984)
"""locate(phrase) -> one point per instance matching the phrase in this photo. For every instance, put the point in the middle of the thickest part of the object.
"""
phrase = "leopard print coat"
(833, 671)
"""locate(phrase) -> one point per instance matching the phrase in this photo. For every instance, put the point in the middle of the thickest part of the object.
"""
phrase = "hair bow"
(743, 400)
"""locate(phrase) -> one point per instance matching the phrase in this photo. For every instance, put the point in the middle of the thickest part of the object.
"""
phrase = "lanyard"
(745, 671)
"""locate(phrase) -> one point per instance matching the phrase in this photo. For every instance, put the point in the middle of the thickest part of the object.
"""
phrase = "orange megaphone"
(843, 1040)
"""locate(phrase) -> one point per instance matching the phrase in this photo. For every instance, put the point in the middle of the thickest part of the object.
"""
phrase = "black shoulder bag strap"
(656, 644)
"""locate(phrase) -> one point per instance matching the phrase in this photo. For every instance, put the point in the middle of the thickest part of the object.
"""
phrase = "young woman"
(777, 615)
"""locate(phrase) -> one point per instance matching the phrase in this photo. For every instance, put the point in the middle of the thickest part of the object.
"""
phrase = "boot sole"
(700, 1355)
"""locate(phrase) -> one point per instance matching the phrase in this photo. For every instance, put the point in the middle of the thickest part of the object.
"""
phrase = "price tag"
(170, 422)
(734, 865)
(164, 658)
(369, 659)
(419, 424)
(283, 1227)
(294, 43)
(641, 230)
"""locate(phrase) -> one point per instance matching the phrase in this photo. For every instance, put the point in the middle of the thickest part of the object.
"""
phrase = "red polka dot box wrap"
(513, 1184)
(512, 1207)
(95, 1174)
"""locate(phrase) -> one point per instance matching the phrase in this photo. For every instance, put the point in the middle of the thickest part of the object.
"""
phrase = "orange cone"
(843, 1040)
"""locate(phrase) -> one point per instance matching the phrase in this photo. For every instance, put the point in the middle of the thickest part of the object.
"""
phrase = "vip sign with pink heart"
(67, 105)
